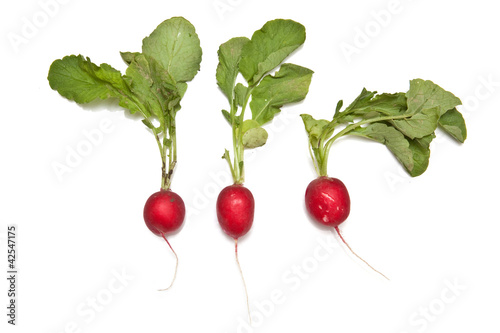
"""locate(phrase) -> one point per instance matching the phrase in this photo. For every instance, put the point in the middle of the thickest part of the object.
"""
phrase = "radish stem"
(176, 263)
(343, 240)
(242, 278)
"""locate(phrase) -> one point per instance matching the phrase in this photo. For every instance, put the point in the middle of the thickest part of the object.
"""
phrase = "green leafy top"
(269, 47)
(404, 122)
(255, 58)
(153, 85)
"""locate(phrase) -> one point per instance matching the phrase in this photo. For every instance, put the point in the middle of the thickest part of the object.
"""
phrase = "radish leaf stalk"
(263, 92)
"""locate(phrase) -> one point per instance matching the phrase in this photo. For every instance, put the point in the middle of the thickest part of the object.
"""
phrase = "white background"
(435, 236)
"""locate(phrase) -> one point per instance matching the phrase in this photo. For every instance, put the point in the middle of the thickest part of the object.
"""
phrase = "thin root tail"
(176, 264)
(363, 260)
(242, 278)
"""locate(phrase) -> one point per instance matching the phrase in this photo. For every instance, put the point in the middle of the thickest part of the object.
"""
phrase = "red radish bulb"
(327, 200)
(328, 203)
(235, 210)
(164, 213)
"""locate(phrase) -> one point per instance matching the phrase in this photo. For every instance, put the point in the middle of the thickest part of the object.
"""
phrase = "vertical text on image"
(12, 274)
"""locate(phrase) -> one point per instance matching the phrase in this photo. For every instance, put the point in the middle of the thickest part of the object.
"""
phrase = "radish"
(328, 203)
(235, 210)
(153, 86)
(164, 213)
(254, 58)
(404, 122)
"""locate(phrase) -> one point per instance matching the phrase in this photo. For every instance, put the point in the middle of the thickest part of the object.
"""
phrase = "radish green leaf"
(227, 69)
(404, 122)
(265, 93)
(153, 85)
(175, 45)
(454, 124)
(269, 47)
(290, 84)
